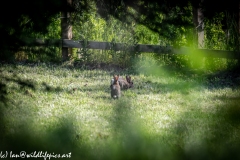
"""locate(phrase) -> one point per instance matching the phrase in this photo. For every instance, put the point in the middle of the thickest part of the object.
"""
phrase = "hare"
(115, 87)
(130, 82)
(125, 84)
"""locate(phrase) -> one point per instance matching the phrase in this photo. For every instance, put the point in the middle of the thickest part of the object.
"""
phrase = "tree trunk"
(239, 24)
(66, 31)
(239, 34)
(195, 22)
(199, 26)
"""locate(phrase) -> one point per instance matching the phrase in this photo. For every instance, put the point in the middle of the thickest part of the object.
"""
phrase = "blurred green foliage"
(28, 19)
(170, 25)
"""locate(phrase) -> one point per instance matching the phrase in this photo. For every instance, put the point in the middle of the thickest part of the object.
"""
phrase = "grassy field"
(167, 115)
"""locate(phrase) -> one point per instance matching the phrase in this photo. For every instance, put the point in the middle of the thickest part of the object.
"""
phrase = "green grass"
(170, 115)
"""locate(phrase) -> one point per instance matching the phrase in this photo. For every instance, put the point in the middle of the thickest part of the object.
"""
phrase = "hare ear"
(115, 77)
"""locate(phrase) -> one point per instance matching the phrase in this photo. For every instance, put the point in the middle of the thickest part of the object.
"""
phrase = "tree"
(164, 17)
(23, 19)
(198, 18)
(167, 18)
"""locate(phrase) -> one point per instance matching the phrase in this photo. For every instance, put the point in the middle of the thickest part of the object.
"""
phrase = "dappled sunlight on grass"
(169, 115)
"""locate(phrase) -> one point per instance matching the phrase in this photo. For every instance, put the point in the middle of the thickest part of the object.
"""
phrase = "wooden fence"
(122, 46)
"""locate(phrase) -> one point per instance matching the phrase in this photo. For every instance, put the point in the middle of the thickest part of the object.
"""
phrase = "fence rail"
(125, 47)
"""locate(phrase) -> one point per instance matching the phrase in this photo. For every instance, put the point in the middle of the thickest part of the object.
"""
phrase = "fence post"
(200, 28)
(66, 31)
(199, 25)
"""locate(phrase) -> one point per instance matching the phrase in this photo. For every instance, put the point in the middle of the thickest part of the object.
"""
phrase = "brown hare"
(130, 82)
(125, 84)
(115, 87)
